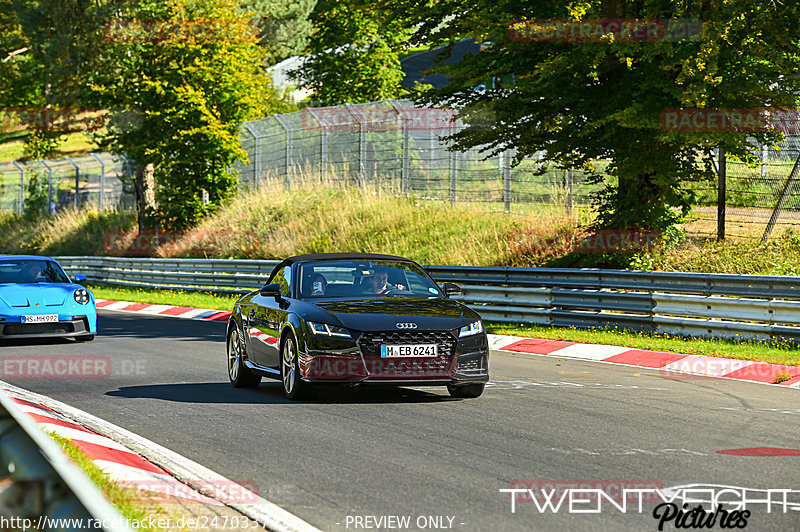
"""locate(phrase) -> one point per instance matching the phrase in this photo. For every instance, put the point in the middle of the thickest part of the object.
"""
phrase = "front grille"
(39, 328)
(370, 342)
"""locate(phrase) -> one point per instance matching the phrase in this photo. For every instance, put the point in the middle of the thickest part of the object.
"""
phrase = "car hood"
(36, 295)
(384, 314)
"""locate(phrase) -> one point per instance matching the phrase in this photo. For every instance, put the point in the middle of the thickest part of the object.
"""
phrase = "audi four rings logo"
(406, 325)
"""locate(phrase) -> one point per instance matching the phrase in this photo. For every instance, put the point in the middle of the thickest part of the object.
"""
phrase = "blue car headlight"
(476, 327)
(81, 296)
(323, 329)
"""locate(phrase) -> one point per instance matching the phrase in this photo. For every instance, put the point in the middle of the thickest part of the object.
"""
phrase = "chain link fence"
(400, 148)
(759, 202)
(403, 149)
(93, 181)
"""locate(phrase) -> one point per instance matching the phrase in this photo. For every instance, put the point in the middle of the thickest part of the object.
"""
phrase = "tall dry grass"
(315, 217)
(71, 232)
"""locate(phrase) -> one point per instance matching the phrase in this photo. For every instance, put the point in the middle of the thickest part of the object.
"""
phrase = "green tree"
(583, 101)
(354, 52)
(180, 100)
(67, 40)
(17, 67)
(284, 26)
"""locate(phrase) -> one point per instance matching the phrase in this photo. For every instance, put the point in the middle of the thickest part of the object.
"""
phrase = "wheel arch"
(291, 326)
(235, 320)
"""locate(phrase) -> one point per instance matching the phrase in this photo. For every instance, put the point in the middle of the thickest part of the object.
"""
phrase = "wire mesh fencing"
(93, 181)
(759, 202)
(401, 148)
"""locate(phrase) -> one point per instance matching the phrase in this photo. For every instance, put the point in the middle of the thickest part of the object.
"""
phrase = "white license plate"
(39, 318)
(416, 350)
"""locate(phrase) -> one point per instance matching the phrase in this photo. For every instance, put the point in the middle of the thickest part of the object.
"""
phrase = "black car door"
(268, 314)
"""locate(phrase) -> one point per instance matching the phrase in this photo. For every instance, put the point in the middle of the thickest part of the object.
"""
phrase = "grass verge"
(122, 498)
(177, 298)
(773, 353)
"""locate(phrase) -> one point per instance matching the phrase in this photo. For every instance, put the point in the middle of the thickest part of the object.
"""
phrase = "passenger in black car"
(314, 284)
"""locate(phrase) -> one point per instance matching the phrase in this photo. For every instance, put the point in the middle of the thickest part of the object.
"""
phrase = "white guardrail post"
(40, 488)
(692, 304)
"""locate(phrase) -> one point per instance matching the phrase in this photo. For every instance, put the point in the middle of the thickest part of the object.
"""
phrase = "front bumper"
(57, 329)
(459, 362)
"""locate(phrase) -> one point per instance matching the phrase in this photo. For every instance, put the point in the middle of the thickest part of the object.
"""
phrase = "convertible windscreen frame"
(350, 279)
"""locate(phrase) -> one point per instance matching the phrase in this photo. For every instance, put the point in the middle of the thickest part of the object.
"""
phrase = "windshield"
(31, 271)
(358, 278)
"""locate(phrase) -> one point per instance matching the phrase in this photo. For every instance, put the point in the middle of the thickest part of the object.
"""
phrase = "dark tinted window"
(31, 271)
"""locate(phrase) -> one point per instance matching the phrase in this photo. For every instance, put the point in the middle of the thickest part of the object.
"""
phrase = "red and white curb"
(668, 363)
(121, 454)
(122, 465)
(163, 310)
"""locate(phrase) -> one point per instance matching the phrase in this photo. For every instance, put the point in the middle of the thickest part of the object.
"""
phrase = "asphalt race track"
(417, 453)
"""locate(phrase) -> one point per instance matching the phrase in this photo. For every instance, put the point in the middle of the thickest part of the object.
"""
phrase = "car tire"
(466, 391)
(293, 386)
(84, 338)
(238, 373)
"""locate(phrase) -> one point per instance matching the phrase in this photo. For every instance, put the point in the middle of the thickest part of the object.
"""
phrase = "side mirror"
(451, 289)
(268, 290)
(80, 278)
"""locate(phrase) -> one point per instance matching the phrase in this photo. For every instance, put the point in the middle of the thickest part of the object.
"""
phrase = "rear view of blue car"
(38, 300)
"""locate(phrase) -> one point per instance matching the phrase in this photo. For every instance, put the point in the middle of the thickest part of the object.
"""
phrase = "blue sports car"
(37, 299)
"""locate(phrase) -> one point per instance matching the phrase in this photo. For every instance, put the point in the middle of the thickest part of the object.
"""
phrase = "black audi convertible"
(356, 318)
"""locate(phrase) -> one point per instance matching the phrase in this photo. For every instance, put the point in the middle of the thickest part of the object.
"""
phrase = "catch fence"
(93, 181)
(404, 149)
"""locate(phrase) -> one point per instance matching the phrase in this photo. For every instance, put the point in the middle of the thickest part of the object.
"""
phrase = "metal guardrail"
(692, 304)
(40, 488)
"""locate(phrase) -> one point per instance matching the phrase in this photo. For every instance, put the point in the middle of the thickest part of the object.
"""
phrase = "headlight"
(81, 296)
(475, 327)
(323, 329)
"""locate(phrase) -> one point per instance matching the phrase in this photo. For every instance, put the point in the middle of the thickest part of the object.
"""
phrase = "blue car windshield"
(31, 271)
(370, 279)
